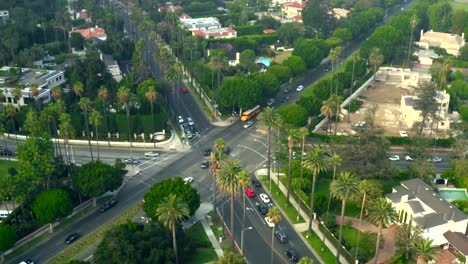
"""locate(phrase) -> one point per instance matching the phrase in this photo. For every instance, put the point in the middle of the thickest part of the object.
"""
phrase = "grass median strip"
(316, 243)
(93, 237)
(204, 251)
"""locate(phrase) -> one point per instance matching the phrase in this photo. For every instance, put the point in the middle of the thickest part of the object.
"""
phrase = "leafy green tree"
(247, 58)
(406, 236)
(95, 178)
(8, 237)
(77, 41)
(312, 51)
(231, 258)
(343, 188)
(164, 188)
(426, 102)
(169, 212)
(313, 15)
(293, 114)
(283, 73)
(306, 260)
(424, 170)
(268, 118)
(32, 124)
(382, 214)
(288, 32)
(77, 262)
(295, 64)
(440, 16)
(51, 205)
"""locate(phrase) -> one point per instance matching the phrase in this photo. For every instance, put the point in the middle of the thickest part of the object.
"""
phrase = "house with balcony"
(417, 203)
(94, 33)
(24, 78)
(339, 13)
(452, 43)
(216, 33)
(291, 10)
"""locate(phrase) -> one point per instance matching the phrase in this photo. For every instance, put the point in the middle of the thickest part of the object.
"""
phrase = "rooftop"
(442, 37)
(88, 33)
(203, 22)
(458, 240)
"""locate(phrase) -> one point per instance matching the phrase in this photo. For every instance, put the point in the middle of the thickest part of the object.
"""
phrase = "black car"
(256, 183)
(263, 209)
(72, 238)
(227, 150)
(108, 205)
(292, 256)
(207, 152)
(205, 164)
(285, 99)
(281, 237)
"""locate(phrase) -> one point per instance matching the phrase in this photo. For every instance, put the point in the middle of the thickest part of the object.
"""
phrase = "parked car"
(285, 99)
(132, 161)
(269, 222)
(403, 133)
(108, 205)
(152, 154)
(190, 121)
(264, 198)
(281, 237)
(207, 152)
(205, 164)
(435, 159)
(72, 238)
(271, 102)
(28, 261)
(394, 158)
(250, 193)
(263, 209)
(181, 119)
(188, 180)
(300, 88)
(256, 183)
(184, 90)
(248, 124)
(408, 158)
(291, 254)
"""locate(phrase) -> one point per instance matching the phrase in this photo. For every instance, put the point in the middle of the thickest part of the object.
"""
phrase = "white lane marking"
(158, 162)
(88, 258)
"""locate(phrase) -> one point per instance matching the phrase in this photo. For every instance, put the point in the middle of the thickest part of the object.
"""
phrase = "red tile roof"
(184, 16)
(269, 31)
(88, 33)
(295, 5)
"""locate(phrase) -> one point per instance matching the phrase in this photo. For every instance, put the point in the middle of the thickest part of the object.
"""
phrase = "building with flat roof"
(203, 23)
(215, 33)
(452, 43)
(12, 78)
(112, 66)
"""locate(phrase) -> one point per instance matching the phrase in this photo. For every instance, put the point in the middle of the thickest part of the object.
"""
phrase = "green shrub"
(462, 205)
(464, 112)
(249, 30)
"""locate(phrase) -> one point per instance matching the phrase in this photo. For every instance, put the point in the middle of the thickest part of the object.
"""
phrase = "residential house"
(452, 43)
(215, 33)
(184, 16)
(403, 77)
(417, 203)
(96, 33)
(112, 66)
(279, 2)
(232, 53)
(426, 57)
(203, 23)
(410, 116)
(292, 9)
(4, 15)
(169, 7)
(339, 13)
(23, 78)
(83, 15)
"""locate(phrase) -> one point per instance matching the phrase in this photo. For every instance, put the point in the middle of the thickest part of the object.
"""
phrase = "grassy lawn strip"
(204, 251)
(280, 199)
(6, 164)
(90, 239)
(316, 243)
(218, 231)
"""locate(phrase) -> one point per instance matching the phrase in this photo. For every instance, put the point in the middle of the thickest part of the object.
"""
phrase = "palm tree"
(151, 96)
(172, 76)
(274, 216)
(219, 147)
(16, 93)
(336, 161)
(66, 131)
(218, 63)
(123, 94)
(343, 188)
(292, 136)
(365, 187)
(333, 57)
(34, 90)
(268, 118)
(413, 24)
(172, 210)
(306, 260)
(85, 105)
(228, 183)
(335, 102)
(303, 131)
(78, 89)
(425, 250)
(179, 73)
(376, 58)
(354, 58)
(230, 258)
(382, 214)
(103, 94)
(10, 110)
(244, 179)
(95, 120)
(56, 92)
(338, 52)
(327, 111)
(2, 133)
(316, 162)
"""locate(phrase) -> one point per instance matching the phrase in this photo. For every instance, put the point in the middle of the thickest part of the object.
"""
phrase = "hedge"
(249, 30)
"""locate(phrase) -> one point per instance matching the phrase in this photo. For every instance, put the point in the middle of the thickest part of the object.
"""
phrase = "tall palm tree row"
(365, 187)
(244, 178)
(268, 118)
(343, 188)
(216, 159)
(78, 89)
(336, 161)
(228, 183)
(292, 137)
(171, 211)
(274, 216)
(354, 58)
(95, 119)
(85, 105)
(123, 95)
(151, 96)
(103, 94)
(316, 162)
(382, 214)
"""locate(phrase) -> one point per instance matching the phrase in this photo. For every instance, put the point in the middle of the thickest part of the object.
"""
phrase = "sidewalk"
(303, 226)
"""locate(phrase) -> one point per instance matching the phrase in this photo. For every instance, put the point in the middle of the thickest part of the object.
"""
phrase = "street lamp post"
(242, 239)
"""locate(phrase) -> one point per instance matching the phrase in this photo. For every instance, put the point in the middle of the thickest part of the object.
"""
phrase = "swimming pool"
(453, 194)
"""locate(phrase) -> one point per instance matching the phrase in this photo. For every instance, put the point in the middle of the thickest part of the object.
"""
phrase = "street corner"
(225, 123)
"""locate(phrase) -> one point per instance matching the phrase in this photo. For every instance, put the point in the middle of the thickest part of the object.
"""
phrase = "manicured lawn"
(281, 56)
(204, 251)
(280, 199)
(218, 231)
(323, 186)
(316, 243)
(6, 164)
(459, 4)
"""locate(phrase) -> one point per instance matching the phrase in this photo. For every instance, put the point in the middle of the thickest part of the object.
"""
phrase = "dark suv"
(256, 183)
(263, 209)
(292, 256)
(108, 205)
(207, 152)
(281, 237)
(72, 238)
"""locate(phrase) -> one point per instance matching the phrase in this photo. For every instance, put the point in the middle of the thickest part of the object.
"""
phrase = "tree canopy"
(95, 178)
(51, 205)
(8, 237)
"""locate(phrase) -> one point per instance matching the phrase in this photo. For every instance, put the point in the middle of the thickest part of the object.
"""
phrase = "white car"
(181, 119)
(436, 159)
(394, 158)
(300, 88)
(264, 198)
(248, 124)
(408, 158)
(190, 121)
(403, 133)
(271, 102)
(152, 154)
(269, 222)
(188, 180)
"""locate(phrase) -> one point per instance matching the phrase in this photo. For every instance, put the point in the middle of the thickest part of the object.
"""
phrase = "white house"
(203, 23)
(112, 66)
(452, 43)
(45, 79)
(403, 77)
(418, 203)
